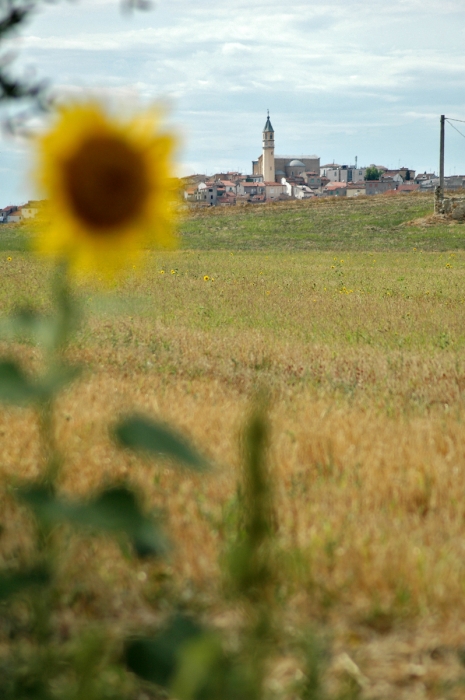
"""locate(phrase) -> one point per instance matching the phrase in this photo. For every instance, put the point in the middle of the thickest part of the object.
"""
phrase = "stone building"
(342, 173)
(274, 167)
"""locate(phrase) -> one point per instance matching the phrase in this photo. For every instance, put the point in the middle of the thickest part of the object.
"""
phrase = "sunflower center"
(106, 182)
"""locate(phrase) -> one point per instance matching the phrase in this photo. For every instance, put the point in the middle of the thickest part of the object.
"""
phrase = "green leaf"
(28, 323)
(24, 321)
(114, 511)
(189, 662)
(202, 670)
(13, 583)
(58, 378)
(15, 386)
(140, 433)
(157, 659)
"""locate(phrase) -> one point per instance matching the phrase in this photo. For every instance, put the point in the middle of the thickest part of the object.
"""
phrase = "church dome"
(297, 163)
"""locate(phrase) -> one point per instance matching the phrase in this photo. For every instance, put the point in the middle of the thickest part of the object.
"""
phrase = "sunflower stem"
(51, 456)
(64, 317)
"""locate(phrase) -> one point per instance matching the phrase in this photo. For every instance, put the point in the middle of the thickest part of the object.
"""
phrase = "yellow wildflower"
(173, 272)
(9, 259)
(206, 278)
(107, 183)
(162, 272)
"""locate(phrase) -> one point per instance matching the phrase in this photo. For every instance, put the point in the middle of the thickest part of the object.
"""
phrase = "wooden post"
(441, 156)
(439, 202)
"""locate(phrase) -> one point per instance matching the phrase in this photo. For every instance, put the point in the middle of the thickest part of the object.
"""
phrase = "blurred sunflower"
(206, 278)
(108, 186)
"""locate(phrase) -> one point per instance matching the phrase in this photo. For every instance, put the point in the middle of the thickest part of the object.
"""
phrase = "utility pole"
(439, 201)
(441, 156)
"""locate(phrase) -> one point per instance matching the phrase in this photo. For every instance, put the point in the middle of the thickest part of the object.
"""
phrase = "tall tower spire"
(268, 170)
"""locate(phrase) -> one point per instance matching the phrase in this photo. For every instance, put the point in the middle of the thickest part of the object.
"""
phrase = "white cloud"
(345, 77)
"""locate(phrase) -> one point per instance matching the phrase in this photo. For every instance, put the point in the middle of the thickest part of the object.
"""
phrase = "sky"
(341, 79)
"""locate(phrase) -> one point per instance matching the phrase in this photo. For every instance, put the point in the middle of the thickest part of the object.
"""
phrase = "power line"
(454, 127)
(449, 119)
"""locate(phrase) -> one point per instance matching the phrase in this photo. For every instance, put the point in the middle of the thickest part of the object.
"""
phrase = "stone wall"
(452, 207)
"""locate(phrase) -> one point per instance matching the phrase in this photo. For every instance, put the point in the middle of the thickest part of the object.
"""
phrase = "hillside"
(366, 223)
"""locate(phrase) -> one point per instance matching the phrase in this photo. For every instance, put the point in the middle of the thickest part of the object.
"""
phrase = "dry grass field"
(362, 351)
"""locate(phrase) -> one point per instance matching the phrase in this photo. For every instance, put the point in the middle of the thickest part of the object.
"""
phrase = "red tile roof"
(408, 188)
(336, 185)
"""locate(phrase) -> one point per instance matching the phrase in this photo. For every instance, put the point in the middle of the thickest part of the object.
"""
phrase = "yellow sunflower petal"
(109, 187)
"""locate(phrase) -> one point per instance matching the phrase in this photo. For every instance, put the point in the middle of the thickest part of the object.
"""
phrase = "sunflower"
(9, 259)
(206, 278)
(108, 186)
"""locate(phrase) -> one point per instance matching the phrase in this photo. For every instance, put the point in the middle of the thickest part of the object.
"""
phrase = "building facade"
(268, 164)
(274, 167)
(342, 173)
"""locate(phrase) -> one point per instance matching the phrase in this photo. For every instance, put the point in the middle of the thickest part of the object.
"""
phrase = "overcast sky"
(341, 79)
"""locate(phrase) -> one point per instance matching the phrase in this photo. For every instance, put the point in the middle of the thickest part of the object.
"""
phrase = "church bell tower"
(268, 171)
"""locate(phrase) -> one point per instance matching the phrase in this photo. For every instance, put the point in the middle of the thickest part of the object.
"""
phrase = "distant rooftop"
(336, 185)
(294, 156)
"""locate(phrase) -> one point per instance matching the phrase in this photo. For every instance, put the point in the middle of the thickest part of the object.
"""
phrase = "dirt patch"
(426, 221)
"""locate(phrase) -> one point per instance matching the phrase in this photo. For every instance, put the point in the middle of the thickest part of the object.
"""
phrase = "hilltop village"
(15, 213)
(283, 177)
(276, 177)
